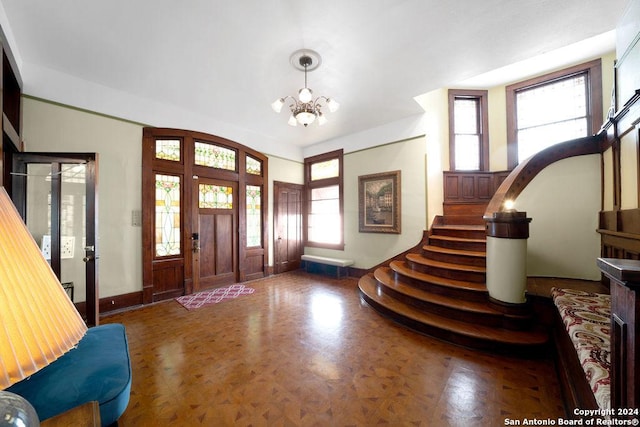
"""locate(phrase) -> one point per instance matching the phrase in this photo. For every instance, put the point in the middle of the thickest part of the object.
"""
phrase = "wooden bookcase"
(11, 107)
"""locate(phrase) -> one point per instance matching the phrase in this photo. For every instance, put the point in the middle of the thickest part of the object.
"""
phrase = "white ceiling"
(216, 66)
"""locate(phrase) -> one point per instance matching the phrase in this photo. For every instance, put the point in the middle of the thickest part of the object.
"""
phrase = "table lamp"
(38, 321)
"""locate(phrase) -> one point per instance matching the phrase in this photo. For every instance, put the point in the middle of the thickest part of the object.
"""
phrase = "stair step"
(475, 311)
(460, 289)
(462, 256)
(479, 254)
(465, 209)
(472, 273)
(458, 242)
(386, 277)
(453, 330)
(464, 219)
(472, 231)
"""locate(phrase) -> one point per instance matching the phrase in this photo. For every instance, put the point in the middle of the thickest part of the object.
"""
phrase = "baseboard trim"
(120, 302)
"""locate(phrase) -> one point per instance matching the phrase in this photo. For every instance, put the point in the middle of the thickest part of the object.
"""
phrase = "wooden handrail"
(522, 175)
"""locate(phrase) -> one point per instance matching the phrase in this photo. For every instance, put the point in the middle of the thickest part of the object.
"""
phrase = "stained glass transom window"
(254, 167)
(167, 215)
(215, 156)
(215, 196)
(327, 169)
(254, 215)
(168, 149)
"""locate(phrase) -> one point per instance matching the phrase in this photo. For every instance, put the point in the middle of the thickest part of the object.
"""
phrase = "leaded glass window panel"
(167, 221)
(214, 156)
(254, 215)
(254, 167)
(168, 149)
(327, 169)
(215, 196)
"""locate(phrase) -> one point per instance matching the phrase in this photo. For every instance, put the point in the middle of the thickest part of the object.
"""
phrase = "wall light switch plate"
(136, 218)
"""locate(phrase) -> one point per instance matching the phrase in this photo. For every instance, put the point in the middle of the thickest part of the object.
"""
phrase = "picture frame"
(379, 208)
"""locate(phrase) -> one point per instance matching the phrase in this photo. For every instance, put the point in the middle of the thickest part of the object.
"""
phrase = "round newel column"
(507, 234)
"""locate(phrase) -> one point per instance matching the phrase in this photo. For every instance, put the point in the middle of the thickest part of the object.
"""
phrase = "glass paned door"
(56, 198)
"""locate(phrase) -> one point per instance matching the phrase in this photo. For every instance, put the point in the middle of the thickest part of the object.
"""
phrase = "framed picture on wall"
(379, 203)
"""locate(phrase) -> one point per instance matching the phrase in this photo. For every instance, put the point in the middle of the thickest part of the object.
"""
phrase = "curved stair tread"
(419, 259)
(471, 227)
(367, 285)
(400, 267)
(456, 239)
(449, 251)
(384, 275)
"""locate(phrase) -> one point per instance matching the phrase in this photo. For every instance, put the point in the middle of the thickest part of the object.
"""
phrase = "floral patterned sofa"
(586, 317)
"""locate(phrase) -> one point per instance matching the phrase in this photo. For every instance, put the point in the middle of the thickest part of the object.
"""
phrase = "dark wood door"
(56, 196)
(287, 225)
(215, 243)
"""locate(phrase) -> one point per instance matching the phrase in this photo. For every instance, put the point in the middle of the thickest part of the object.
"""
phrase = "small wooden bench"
(324, 265)
(583, 337)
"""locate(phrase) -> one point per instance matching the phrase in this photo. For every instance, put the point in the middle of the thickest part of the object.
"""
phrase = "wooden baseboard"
(120, 302)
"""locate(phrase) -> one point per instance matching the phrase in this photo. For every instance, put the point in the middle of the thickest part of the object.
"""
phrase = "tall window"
(468, 130)
(553, 108)
(323, 178)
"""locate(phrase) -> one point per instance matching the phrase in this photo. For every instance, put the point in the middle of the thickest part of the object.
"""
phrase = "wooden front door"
(204, 222)
(287, 225)
(215, 241)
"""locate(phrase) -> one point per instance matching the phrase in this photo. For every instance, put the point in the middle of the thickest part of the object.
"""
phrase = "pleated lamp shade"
(38, 321)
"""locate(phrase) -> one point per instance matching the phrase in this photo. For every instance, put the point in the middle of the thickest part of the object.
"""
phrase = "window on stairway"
(553, 108)
(468, 130)
(324, 209)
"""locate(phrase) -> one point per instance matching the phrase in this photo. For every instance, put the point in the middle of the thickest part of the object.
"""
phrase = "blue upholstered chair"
(98, 369)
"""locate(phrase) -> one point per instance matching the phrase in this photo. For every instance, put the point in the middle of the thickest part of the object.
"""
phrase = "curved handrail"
(522, 175)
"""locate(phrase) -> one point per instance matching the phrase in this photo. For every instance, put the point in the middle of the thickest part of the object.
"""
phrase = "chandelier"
(305, 108)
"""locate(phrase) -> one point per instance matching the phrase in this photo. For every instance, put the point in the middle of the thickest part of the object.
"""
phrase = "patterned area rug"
(214, 296)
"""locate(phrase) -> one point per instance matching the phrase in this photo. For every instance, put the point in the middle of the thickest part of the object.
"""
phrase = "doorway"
(215, 233)
(287, 226)
(55, 193)
(189, 246)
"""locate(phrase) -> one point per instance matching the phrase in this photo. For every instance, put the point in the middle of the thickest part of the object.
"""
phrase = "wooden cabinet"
(11, 120)
(625, 312)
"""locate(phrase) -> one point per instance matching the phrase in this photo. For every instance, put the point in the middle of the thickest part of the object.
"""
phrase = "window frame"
(483, 122)
(593, 71)
(326, 182)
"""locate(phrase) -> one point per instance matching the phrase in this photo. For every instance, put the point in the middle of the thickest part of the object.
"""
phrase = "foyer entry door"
(214, 239)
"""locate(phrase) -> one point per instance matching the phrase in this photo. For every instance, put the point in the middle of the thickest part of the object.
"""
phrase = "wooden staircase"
(439, 289)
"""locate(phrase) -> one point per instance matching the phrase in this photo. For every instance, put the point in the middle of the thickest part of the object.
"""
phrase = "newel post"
(507, 234)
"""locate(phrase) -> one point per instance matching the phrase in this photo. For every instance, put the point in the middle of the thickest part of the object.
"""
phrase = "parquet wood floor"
(303, 350)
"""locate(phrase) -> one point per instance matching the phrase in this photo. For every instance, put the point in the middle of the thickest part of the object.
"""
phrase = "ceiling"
(215, 66)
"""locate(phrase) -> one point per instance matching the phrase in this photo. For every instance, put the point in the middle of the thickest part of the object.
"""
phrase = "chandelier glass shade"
(305, 109)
